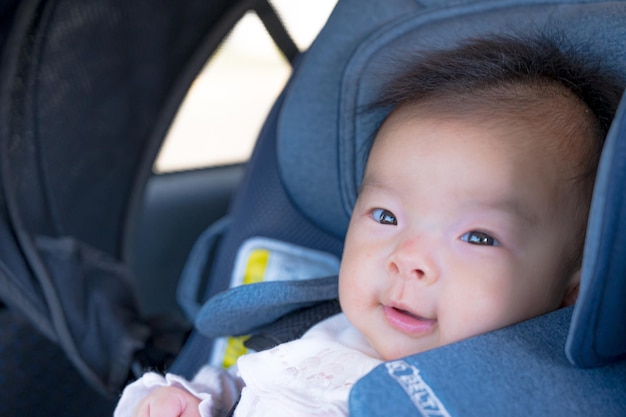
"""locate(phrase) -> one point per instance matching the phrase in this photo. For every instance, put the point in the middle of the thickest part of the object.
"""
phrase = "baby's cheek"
(505, 312)
(480, 312)
(348, 289)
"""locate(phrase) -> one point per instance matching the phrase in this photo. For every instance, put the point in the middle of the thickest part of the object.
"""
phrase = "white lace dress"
(311, 376)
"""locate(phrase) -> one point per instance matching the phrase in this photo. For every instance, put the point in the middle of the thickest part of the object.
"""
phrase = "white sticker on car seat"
(263, 259)
(418, 391)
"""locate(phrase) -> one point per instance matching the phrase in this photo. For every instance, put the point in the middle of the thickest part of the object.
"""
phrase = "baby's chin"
(392, 353)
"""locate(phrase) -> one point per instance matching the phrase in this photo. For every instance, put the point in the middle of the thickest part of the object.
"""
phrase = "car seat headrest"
(324, 132)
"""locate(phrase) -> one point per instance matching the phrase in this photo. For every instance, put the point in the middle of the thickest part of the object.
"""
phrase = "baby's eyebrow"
(514, 206)
(371, 181)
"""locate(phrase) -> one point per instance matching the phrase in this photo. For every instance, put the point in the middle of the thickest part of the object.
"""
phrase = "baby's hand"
(168, 402)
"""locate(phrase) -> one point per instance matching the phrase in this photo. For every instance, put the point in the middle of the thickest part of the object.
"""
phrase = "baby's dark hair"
(510, 77)
(492, 65)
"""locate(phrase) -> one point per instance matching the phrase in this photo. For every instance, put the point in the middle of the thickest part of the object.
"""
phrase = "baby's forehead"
(555, 118)
(530, 141)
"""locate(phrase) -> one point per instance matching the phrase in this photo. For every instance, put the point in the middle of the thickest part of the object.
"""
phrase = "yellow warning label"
(234, 349)
(254, 272)
(255, 268)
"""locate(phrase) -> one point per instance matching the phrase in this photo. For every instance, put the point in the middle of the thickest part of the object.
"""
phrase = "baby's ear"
(571, 292)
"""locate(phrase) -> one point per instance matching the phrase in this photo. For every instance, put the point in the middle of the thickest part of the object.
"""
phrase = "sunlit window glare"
(219, 120)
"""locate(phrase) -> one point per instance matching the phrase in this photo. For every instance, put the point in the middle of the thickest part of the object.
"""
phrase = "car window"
(224, 109)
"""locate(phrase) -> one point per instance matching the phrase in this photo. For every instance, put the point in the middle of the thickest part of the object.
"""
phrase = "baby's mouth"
(407, 321)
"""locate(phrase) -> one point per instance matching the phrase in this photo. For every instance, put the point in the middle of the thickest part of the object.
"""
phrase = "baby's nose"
(412, 259)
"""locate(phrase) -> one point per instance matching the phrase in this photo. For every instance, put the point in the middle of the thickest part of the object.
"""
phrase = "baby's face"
(460, 228)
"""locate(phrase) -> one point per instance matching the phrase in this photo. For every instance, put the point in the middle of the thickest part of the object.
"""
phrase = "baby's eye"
(383, 216)
(479, 238)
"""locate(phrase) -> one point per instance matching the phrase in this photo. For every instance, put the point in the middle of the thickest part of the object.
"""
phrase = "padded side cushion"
(597, 334)
(517, 371)
(248, 308)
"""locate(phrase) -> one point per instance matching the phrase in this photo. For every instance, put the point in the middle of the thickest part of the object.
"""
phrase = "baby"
(471, 217)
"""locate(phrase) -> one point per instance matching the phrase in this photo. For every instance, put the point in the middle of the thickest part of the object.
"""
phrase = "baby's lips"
(406, 309)
(407, 321)
(408, 313)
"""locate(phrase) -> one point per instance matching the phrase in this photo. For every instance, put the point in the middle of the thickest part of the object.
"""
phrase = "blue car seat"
(302, 182)
(65, 216)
